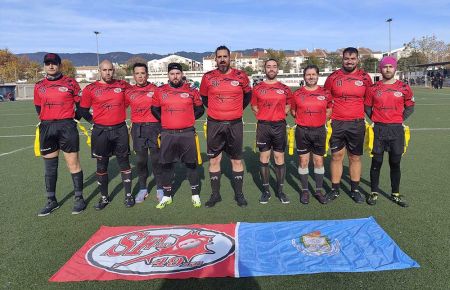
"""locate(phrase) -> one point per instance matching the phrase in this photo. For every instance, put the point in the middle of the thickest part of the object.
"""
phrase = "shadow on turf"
(211, 283)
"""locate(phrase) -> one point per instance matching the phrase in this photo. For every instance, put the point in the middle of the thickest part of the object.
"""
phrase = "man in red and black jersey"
(270, 102)
(388, 103)
(226, 92)
(55, 98)
(145, 129)
(178, 105)
(347, 86)
(110, 132)
(311, 108)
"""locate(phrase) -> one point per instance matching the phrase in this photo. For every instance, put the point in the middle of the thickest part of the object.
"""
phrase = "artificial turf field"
(34, 248)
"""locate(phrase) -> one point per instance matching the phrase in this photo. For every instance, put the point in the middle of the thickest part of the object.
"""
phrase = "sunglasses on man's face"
(49, 63)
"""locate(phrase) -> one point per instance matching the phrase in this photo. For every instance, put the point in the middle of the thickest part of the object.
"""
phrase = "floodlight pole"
(98, 59)
(389, 23)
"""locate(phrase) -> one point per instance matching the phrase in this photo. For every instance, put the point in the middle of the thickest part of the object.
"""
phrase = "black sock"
(335, 186)
(238, 181)
(166, 178)
(280, 172)
(77, 179)
(51, 175)
(264, 172)
(193, 177)
(318, 177)
(126, 180)
(214, 178)
(396, 174)
(102, 179)
(375, 167)
(142, 168)
(304, 173)
(354, 185)
(156, 167)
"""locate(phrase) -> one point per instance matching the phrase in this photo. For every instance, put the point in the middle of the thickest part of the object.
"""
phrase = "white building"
(86, 73)
(399, 52)
(160, 65)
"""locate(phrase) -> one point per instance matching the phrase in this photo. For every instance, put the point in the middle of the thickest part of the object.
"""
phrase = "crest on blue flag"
(313, 244)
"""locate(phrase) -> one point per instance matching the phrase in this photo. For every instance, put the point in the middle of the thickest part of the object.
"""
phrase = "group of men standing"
(163, 131)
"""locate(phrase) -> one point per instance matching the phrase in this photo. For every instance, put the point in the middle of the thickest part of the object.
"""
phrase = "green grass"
(32, 248)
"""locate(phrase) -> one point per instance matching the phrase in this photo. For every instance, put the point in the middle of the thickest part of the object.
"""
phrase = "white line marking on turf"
(429, 129)
(432, 104)
(16, 136)
(18, 114)
(17, 150)
(17, 126)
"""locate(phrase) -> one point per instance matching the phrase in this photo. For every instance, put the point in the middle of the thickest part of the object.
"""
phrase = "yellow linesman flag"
(85, 132)
(37, 150)
(407, 137)
(369, 138)
(291, 139)
(197, 146)
(328, 137)
(205, 127)
(158, 140)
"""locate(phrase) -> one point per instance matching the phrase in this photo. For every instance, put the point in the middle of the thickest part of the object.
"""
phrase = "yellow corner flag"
(37, 151)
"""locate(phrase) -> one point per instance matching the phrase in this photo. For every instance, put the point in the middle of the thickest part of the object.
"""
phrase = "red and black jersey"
(107, 102)
(140, 100)
(311, 106)
(388, 101)
(177, 106)
(348, 91)
(271, 100)
(225, 93)
(57, 98)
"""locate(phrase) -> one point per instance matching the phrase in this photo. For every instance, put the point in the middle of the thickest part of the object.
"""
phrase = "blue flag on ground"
(304, 247)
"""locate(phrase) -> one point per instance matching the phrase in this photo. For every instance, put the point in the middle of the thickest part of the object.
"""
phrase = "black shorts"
(271, 135)
(178, 145)
(389, 138)
(59, 134)
(110, 140)
(349, 134)
(310, 139)
(145, 135)
(225, 136)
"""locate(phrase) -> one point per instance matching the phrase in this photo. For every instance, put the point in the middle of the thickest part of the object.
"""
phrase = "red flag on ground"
(149, 252)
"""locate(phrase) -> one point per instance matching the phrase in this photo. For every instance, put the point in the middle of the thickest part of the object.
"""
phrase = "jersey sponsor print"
(348, 91)
(57, 98)
(271, 100)
(388, 101)
(107, 102)
(177, 106)
(140, 100)
(311, 106)
(225, 93)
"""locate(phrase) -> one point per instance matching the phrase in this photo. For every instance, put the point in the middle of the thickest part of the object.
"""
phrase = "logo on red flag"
(161, 251)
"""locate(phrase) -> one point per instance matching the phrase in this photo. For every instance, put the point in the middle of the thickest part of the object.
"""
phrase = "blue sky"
(169, 26)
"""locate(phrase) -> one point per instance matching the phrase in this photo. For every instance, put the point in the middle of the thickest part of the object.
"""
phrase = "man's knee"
(338, 155)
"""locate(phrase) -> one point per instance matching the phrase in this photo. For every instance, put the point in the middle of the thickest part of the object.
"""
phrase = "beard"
(388, 76)
(349, 69)
(177, 84)
(271, 76)
(224, 67)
